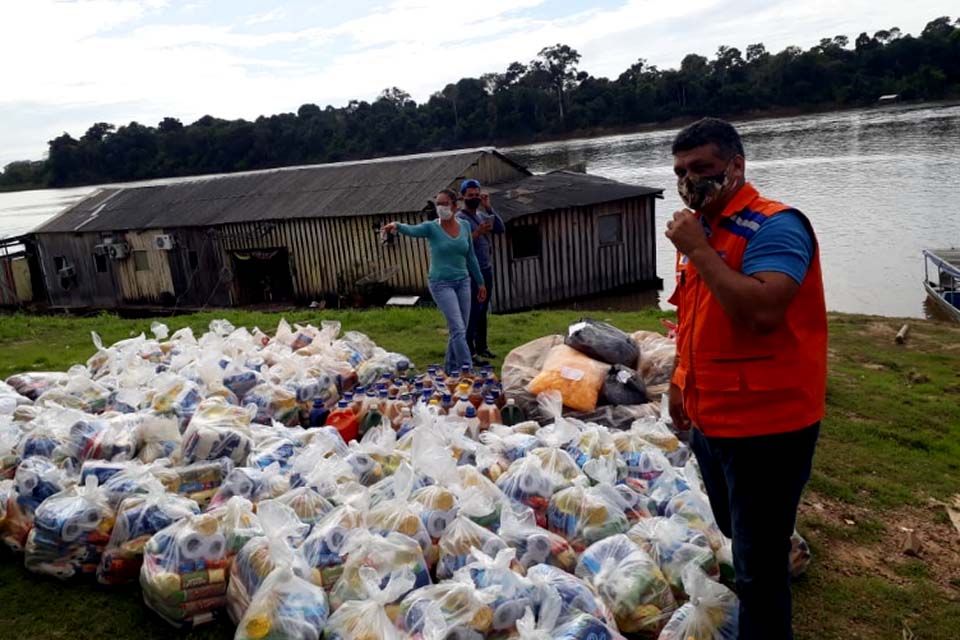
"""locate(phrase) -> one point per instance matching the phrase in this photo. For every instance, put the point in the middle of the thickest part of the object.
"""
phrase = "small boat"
(944, 288)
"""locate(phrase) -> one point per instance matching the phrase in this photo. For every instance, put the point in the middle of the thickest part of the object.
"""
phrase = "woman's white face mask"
(445, 212)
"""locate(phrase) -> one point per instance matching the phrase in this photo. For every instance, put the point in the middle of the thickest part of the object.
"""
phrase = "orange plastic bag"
(577, 378)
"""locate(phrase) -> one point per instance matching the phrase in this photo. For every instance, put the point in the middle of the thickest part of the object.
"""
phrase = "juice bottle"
(488, 414)
(373, 418)
(345, 421)
(446, 402)
(357, 399)
(473, 423)
(476, 394)
(460, 409)
(466, 375)
(318, 414)
(512, 414)
(388, 406)
(405, 423)
(498, 398)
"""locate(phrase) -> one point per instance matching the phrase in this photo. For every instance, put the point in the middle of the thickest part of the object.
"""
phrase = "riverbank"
(887, 459)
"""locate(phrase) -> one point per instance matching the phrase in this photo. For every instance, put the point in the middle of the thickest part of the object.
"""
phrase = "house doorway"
(262, 276)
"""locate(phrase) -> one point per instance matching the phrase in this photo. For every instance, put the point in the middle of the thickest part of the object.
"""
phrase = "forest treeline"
(549, 96)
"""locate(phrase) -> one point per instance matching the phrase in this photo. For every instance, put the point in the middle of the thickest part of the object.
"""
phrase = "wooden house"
(302, 234)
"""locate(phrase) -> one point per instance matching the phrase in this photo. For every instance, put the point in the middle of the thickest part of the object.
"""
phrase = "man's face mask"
(698, 192)
(472, 203)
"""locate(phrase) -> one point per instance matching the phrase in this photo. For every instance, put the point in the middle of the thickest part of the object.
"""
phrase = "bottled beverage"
(318, 414)
(405, 423)
(357, 399)
(473, 423)
(388, 407)
(436, 401)
(476, 394)
(488, 414)
(466, 375)
(512, 414)
(372, 418)
(446, 402)
(418, 388)
(345, 421)
(498, 398)
(460, 409)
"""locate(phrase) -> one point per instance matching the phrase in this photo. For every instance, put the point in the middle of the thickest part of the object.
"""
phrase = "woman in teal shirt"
(452, 264)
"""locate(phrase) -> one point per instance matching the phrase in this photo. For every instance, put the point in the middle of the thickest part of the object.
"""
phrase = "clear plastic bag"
(603, 342)
(254, 562)
(218, 430)
(576, 595)
(548, 624)
(309, 505)
(584, 515)
(460, 538)
(630, 583)
(712, 613)
(630, 495)
(512, 592)
(534, 545)
(251, 483)
(657, 433)
(138, 519)
(577, 377)
(593, 441)
(198, 481)
(274, 403)
(70, 531)
(324, 547)
(451, 609)
(159, 437)
(694, 509)
(366, 618)
(400, 514)
(286, 607)
(33, 384)
(36, 480)
(675, 546)
(184, 572)
(658, 355)
(99, 440)
(385, 555)
(800, 555)
(528, 483)
(238, 522)
(9, 457)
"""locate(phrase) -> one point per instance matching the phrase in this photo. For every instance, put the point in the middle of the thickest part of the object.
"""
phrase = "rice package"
(184, 572)
(138, 519)
(630, 582)
(366, 618)
(386, 555)
(712, 612)
(577, 377)
(286, 607)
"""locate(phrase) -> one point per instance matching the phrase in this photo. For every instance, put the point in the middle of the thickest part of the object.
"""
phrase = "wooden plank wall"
(572, 263)
(89, 288)
(210, 284)
(139, 287)
(8, 284)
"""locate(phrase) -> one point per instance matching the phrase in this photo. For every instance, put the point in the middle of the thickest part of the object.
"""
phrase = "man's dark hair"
(710, 131)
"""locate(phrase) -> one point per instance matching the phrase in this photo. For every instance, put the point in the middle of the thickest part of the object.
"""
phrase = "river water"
(879, 185)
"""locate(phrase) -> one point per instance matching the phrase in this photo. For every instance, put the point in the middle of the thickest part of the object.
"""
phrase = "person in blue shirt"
(454, 273)
(483, 224)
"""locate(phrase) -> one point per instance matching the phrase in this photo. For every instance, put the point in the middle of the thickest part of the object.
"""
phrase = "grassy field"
(889, 454)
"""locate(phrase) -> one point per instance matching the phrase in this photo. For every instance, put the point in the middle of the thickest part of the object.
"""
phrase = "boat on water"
(942, 279)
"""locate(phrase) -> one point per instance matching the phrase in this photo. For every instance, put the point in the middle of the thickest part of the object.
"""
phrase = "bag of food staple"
(534, 545)
(623, 385)
(33, 384)
(138, 518)
(577, 377)
(274, 403)
(644, 460)
(121, 480)
(386, 555)
(159, 437)
(324, 547)
(400, 514)
(479, 498)
(508, 445)
(548, 624)
(322, 472)
(10, 400)
(9, 458)
(501, 575)
(527, 482)
(366, 618)
(451, 609)
(277, 547)
(379, 445)
(656, 433)
(46, 435)
(712, 612)
(175, 396)
(286, 607)
(36, 480)
(675, 546)
(274, 449)
(198, 481)
(438, 508)
(251, 483)
(184, 572)
(238, 522)
(99, 440)
(608, 472)
(658, 354)
(630, 583)
(584, 515)
(694, 509)
(800, 555)
(593, 441)
(460, 538)
(70, 531)
(218, 430)
(557, 463)
(603, 342)
(576, 596)
(309, 505)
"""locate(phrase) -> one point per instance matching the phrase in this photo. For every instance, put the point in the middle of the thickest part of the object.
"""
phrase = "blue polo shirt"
(481, 245)
(783, 243)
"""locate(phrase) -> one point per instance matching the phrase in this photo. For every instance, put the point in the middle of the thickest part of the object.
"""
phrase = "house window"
(193, 260)
(610, 228)
(100, 261)
(140, 262)
(59, 262)
(525, 242)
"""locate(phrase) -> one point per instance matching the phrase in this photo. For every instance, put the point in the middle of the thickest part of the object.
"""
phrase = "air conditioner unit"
(118, 251)
(101, 250)
(67, 271)
(164, 242)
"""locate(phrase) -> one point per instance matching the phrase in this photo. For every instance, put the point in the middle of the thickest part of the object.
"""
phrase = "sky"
(68, 64)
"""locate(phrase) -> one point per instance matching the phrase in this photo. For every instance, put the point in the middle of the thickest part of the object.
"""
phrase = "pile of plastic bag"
(148, 464)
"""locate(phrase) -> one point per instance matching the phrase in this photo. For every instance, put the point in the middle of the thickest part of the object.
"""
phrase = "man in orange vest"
(750, 375)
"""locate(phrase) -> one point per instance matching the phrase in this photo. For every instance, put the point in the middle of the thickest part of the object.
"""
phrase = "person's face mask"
(472, 203)
(444, 212)
(700, 191)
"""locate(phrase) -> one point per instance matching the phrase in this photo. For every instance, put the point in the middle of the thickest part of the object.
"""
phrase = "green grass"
(890, 442)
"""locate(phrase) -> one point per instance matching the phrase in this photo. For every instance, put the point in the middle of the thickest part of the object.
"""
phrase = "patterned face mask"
(699, 192)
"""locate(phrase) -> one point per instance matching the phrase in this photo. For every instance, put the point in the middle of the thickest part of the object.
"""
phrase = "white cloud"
(267, 16)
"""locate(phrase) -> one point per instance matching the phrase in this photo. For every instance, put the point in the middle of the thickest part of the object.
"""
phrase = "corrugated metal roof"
(400, 184)
(559, 190)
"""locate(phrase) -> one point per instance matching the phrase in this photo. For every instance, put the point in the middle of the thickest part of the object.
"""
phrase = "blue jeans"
(477, 327)
(453, 300)
(754, 486)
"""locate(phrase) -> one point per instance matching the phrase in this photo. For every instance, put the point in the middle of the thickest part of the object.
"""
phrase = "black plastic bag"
(624, 386)
(603, 342)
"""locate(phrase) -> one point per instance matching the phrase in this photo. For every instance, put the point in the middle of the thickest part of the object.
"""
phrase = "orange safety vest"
(736, 383)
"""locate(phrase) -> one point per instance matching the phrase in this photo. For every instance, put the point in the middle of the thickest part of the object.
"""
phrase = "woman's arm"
(422, 230)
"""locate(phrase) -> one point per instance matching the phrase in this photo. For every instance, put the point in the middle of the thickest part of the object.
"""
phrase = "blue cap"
(466, 184)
